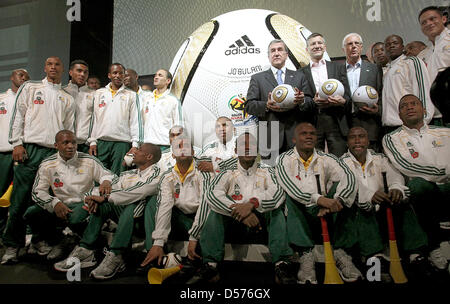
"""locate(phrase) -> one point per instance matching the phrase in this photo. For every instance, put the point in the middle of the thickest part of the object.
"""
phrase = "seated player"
(222, 148)
(371, 223)
(299, 171)
(58, 190)
(181, 209)
(245, 197)
(125, 203)
(421, 153)
(167, 159)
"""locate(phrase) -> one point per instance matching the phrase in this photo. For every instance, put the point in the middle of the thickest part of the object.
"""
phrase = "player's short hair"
(430, 8)
(115, 63)
(313, 35)
(78, 61)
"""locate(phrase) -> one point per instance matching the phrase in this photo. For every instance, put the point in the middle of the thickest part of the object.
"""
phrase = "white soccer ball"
(365, 96)
(212, 68)
(331, 87)
(171, 259)
(283, 95)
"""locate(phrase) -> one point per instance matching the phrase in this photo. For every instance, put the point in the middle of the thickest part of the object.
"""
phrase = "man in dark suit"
(260, 104)
(359, 73)
(330, 116)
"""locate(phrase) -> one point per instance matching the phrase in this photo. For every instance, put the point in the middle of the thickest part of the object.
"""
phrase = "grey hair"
(351, 34)
(277, 41)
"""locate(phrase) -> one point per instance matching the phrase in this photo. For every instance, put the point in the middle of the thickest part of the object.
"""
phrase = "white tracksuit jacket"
(116, 119)
(405, 75)
(42, 109)
(371, 179)
(69, 180)
(84, 102)
(189, 197)
(440, 58)
(236, 185)
(7, 100)
(301, 185)
(424, 153)
(218, 152)
(159, 116)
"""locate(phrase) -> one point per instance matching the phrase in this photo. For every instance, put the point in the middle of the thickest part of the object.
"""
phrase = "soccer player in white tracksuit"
(7, 99)
(126, 202)
(309, 178)
(244, 197)
(422, 153)
(181, 208)
(223, 147)
(116, 124)
(161, 110)
(69, 174)
(405, 75)
(84, 101)
(371, 222)
(42, 109)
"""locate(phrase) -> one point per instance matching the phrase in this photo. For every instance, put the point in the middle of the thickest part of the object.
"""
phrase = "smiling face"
(305, 137)
(432, 24)
(277, 54)
(116, 75)
(316, 47)
(358, 141)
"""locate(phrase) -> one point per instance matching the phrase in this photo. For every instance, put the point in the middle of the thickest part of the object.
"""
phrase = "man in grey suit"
(260, 104)
(359, 73)
(330, 116)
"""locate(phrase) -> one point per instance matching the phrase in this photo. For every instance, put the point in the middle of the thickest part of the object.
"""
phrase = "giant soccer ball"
(213, 66)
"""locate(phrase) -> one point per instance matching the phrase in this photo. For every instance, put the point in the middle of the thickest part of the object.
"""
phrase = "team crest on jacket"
(102, 104)
(58, 183)
(414, 154)
(237, 196)
(2, 109)
(38, 100)
(435, 143)
(176, 194)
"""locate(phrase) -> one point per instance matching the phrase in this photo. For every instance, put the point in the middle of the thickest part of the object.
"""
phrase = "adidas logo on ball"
(242, 46)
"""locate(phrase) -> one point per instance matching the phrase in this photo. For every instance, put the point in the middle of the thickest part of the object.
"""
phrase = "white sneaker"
(108, 268)
(345, 266)
(63, 248)
(41, 248)
(307, 271)
(10, 255)
(85, 256)
(437, 259)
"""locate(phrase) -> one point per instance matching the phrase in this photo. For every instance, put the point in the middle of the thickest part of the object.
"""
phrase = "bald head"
(63, 133)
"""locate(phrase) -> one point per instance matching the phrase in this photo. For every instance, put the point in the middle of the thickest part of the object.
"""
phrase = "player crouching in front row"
(243, 197)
